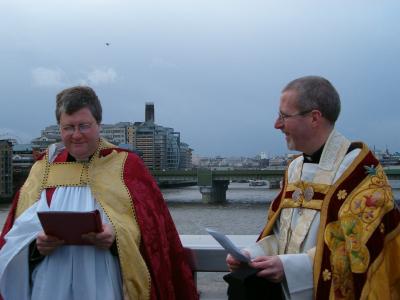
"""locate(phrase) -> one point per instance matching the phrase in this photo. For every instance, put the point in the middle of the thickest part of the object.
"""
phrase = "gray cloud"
(47, 77)
(56, 77)
(101, 76)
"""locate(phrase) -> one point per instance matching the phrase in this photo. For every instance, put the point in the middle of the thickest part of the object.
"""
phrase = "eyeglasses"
(82, 128)
(282, 116)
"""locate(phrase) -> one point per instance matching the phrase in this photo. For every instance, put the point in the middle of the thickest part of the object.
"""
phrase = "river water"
(190, 213)
(244, 212)
(246, 206)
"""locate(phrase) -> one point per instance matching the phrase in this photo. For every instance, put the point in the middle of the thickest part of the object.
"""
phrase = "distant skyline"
(214, 69)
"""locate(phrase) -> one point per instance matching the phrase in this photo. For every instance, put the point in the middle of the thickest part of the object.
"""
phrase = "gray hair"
(75, 98)
(318, 93)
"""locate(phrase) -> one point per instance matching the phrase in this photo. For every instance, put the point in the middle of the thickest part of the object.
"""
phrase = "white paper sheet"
(228, 245)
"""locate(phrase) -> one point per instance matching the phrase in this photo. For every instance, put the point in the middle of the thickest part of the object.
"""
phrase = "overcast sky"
(213, 68)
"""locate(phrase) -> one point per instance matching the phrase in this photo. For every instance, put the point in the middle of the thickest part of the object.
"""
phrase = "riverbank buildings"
(6, 173)
(23, 157)
(160, 147)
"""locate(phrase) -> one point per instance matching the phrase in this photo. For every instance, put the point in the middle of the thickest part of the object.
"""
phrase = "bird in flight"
(107, 44)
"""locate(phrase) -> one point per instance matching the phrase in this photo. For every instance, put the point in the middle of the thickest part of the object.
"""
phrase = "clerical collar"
(315, 157)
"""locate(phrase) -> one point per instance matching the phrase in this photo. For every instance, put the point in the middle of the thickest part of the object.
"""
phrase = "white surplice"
(70, 272)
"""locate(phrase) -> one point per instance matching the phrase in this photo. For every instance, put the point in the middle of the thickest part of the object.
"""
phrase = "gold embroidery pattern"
(342, 194)
(326, 275)
(359, 216)
(342, 283)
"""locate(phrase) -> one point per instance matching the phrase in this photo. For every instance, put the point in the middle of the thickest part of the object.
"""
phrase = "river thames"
(244, 213)
(246, 206)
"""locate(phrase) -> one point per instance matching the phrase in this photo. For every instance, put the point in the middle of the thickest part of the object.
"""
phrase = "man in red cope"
(138, 255)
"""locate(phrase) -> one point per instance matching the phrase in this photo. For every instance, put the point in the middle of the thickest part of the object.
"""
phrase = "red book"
(70, 225)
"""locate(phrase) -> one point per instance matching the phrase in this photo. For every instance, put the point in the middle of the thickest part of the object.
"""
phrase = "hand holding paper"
(244, 269)
(228, 245)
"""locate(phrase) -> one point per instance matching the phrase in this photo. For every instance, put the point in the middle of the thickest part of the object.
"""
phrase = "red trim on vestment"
(162, 250)
(10, 219)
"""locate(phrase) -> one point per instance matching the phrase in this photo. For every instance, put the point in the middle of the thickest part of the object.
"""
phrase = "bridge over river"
(214, 183)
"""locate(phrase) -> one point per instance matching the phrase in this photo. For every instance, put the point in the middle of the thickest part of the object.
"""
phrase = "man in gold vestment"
(333, 232)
